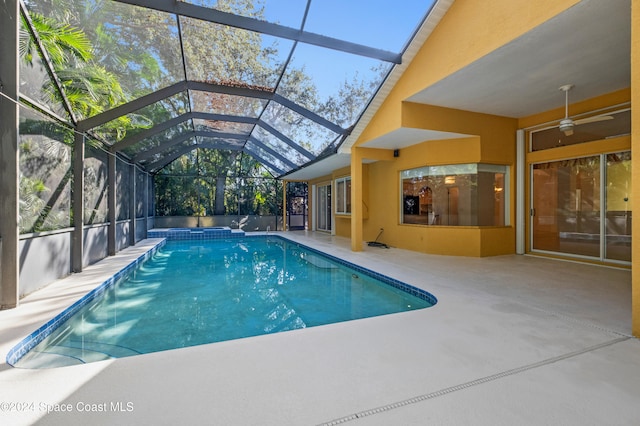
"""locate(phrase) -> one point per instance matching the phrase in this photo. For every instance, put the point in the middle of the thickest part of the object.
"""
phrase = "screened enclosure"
(205, 104)
(135, 114)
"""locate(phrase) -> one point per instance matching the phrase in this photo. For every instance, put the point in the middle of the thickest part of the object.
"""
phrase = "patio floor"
(513, 340)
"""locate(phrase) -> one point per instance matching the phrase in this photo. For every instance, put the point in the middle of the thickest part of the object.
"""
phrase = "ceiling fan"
(566, 124)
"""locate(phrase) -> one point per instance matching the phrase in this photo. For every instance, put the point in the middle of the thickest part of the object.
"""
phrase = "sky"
(381, 24)
(376, 23)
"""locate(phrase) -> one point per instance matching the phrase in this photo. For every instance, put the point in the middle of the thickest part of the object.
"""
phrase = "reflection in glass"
(324, 207)
(343, 195)
(566, 205)
(455, 195)
(618, 196)
(568, 211)
(619, 124)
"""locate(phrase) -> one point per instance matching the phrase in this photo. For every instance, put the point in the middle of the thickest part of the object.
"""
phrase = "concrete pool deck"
(513, 340)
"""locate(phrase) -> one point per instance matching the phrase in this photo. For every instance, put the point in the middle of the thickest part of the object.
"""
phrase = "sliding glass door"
(580, 206)
(618, 213)
(323, 209)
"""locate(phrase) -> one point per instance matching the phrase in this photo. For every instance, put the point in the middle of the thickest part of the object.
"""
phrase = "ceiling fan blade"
(592, 119)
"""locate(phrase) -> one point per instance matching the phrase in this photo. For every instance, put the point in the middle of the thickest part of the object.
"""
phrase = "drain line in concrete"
(476, 382)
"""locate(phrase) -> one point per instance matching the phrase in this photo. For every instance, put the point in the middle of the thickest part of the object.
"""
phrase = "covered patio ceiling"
(282, 81)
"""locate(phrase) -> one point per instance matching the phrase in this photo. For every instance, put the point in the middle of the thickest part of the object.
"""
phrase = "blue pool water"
(196, 292)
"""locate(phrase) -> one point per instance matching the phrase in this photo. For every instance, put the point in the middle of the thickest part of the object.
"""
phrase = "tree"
(124, 43)
(89, 87)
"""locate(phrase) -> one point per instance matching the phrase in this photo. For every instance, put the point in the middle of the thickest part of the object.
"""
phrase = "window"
(343, 195)
(455, 195)
(609, 126)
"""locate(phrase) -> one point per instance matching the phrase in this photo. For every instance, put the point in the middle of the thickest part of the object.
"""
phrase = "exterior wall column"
(521, 215)
(145, 204)
(635, 164)
(113, 184)
(78, 203)
(356, 199)
(284, 206)
(133, 204)
(9, 155)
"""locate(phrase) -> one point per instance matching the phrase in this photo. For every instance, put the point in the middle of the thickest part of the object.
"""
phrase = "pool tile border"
(29, 342)
(172, 234)
(407, 288)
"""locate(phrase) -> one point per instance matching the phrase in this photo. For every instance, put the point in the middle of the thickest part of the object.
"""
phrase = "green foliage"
(217, 184)
(31, 204)
(62, 42)
(89, 87)
(106, 53)
(92, 90)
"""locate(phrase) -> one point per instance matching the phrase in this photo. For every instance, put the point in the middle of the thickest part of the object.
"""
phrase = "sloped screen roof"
(280, 80)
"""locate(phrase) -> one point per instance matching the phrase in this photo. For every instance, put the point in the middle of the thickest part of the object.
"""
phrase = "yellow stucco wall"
(463, 27)
(461, 38)
(341, 223)
(384, 195)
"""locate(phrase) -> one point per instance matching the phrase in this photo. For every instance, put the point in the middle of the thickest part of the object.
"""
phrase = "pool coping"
(400, 285)
(41, 333)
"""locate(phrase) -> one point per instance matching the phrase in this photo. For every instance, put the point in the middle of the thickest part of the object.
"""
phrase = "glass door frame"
(602, 215)
(323, 207)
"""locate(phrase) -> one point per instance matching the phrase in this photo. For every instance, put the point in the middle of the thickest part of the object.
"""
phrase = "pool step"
(317, 261)
(74, 353)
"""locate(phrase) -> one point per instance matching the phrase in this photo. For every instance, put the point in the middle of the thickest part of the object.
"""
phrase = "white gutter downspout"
(520, 191)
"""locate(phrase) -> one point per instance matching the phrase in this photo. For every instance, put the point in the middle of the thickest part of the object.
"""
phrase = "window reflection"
(619, 124)
(343, 195)
(455, 195)
(618, 220)
(568, 207)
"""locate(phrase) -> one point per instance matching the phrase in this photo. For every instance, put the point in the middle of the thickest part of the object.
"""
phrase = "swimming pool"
(193, 292)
